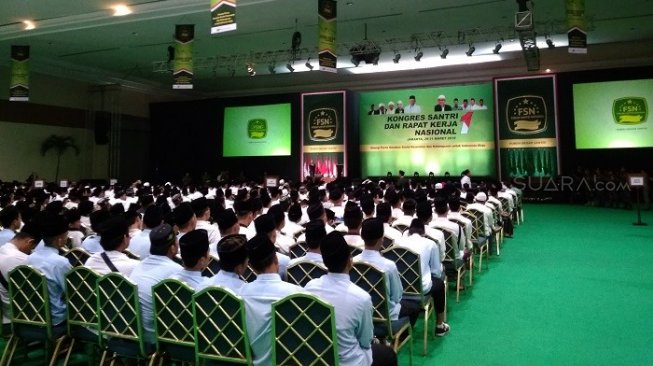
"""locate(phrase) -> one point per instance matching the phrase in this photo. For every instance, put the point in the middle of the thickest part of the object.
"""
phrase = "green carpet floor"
(573, 287)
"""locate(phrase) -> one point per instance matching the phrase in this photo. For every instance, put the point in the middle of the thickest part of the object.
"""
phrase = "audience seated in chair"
(114, 238)
(194, 249)
(233, 263)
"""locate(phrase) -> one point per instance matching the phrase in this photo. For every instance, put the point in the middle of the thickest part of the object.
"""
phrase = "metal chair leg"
(69, 352)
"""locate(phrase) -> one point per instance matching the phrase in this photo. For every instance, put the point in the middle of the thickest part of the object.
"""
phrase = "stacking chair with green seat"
(173, 324)
(212, 268)
(470, 259)
(497, 229)
(304, 332)
(119, 319)
(410, 271)
(77, 256)
(81, 308)
(249, 275)
(480, 241)
(373, 281)
(220, 327)
(453, 267)
(30, 315)
(399, 226)
(301, 272)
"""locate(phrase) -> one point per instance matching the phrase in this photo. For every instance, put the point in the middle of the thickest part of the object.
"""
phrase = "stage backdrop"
(430, 136)
(527, 126)
(324, 130)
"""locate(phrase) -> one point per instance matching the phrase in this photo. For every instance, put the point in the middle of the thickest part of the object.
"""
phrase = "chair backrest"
(504, 203)
(173, 313)
(131, 255)
(410, 269)
(304, 330)
(372, 280)
(220, 326)
(449, 251)
(355, 251)
(249, 275)
(81, 298)
(400, 227)
(77, 256)
(387, 242)
(478, 222)
(118, 307)
(212, 268)
(302, 272)
(297, 250)
(29, 300)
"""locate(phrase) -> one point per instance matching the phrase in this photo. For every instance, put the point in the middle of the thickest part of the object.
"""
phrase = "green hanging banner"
(526, 116)
(327, 25)
(19, 83)
(576, 26)
(183, 67)
(223, 16)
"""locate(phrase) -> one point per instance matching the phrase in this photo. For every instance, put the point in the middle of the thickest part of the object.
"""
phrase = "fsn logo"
(526, 114)
(630, 110)
(257, 128)
(322, 124)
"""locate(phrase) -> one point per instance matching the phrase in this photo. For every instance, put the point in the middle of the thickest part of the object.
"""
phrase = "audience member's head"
(185, 218)
(336, 253)
(353, 217)
(153, 217)
(114, 234)
(232, 250)
(262, 254)
(227, 222)
(384, 212)
(194, 249)
(163, 241)
(315, 232)
(372, 232)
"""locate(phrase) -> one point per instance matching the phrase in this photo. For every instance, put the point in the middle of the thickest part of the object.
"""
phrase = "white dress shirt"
(140, 244)
(10, 258)
(393, 282)
(226, 279)
(123, 264)
(429, 255)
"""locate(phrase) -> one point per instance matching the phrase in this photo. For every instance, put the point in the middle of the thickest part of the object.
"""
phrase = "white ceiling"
(80, 39)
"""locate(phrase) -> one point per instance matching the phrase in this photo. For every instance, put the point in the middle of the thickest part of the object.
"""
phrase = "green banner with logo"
(613, 114)
(19, 81)
(183, 66)
(324, 135)
(438, 130)
(576, 25)
(223, 16)
(527, 126)
(327, 26)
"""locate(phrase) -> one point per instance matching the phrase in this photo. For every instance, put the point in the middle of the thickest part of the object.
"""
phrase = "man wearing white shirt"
(424, 213)
(465, 179)
(185, 218)
(488, 218)
(372, 234)
(140, 244)
(442, 222)
(314, 234)
(11, 222)
(114, 240)
(203, 214)
(194, 249)
(243, 210)
(233, 263)
(353, 221)
(412, 107)
(283, 242)
(265, 226)
(14, 253)
(259, 296)
(352, 308)
(316, 211)
(431, 270)
(454, 213)
(384, 213)
(408, 213)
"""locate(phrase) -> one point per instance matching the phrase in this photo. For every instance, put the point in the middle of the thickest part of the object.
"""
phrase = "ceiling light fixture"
(29, 25)
(396, 58)
(444, 53)
(419, 55)
(250, 70)
(497, 48)
(308, 64)
(121, 10)
(289, 67)
(471, 50)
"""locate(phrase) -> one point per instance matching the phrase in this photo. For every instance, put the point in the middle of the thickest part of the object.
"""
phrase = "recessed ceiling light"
(29, 25)
(547, 70)
(121, 10)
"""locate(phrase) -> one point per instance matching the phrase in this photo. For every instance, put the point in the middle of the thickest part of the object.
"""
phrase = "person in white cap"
(400, 107)
(442, 105)
(391, 108)
(488, 218)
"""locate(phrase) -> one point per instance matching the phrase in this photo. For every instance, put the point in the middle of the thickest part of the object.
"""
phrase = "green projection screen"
(262, 130)
(613, 114)
(453, 138)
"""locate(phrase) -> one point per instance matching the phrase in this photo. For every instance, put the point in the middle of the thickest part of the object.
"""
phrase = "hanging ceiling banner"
(223, 16)
(327, 25)
(19, 84)
(183, 66)
(576, 26)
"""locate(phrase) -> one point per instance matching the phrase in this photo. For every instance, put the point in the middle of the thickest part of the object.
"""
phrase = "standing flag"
(19, 84)
(327, 38)
(576, 26)
(183, 67)
(223, 16)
